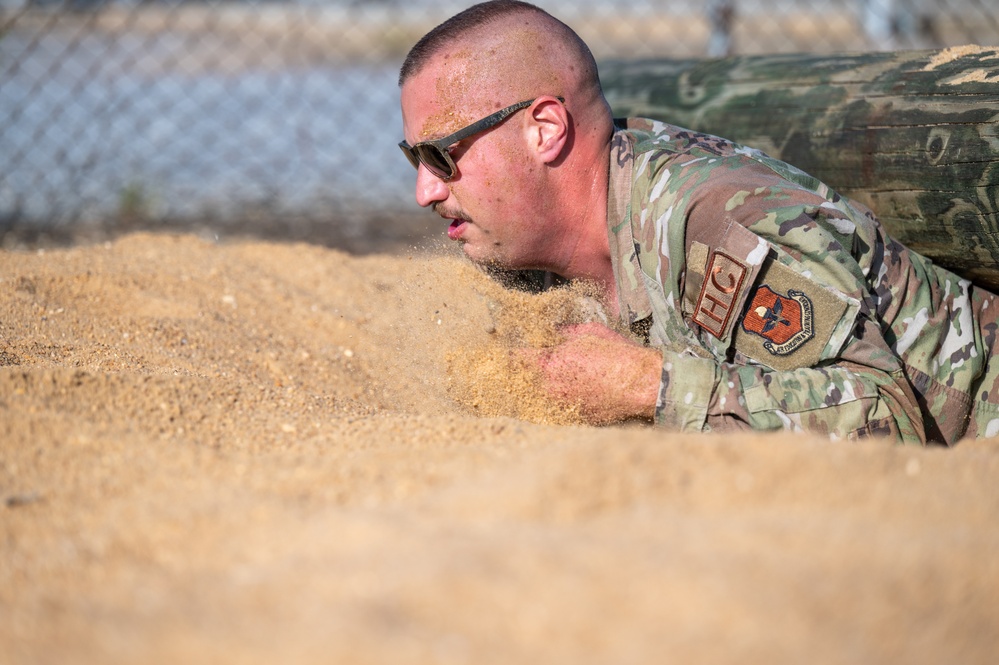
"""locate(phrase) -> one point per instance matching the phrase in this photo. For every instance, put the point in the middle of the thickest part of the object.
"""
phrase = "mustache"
(450, 213)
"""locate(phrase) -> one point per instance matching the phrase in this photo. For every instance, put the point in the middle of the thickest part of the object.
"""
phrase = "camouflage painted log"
(912, 134)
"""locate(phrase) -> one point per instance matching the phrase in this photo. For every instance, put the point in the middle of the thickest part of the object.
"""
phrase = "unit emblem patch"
(785, 322)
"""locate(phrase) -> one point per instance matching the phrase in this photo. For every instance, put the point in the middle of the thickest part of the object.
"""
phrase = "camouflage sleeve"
(840, 401)
(834, 374)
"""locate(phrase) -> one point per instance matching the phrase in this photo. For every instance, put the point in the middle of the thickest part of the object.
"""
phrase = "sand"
(250, 452)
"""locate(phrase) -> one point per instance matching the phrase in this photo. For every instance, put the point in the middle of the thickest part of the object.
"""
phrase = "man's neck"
(588, 256)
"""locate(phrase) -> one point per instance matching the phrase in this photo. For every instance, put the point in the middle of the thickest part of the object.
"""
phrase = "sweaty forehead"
(436, 100)
(478, 75)
(458, 89)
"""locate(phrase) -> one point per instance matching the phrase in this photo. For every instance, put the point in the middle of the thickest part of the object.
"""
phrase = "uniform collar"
(631, 295)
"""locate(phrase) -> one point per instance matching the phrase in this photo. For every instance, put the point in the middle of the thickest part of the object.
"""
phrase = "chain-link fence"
(282, 117)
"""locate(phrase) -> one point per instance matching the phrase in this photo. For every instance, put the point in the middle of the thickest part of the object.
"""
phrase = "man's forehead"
(444, 96)
(477, 75)
(453, 75)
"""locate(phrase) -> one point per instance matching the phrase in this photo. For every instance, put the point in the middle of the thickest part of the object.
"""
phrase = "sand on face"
(253, 452)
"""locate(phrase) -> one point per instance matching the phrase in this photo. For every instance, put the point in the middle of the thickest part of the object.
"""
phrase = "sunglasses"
(434, 154)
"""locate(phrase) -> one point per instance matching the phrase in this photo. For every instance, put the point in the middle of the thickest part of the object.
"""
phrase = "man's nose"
(429, 188)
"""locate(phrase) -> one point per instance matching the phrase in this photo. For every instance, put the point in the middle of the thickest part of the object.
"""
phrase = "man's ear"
(548, 128)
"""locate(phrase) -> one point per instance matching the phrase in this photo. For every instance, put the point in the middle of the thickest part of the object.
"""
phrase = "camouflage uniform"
(778, 304)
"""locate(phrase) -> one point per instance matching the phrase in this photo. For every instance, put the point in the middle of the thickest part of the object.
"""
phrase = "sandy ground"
(248, 452)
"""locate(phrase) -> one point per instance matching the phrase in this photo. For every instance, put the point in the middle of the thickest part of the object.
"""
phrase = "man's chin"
(481, 258)
(491, 256)
(492, 262)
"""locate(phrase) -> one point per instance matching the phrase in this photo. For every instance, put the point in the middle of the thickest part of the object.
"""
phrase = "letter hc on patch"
(719, 293)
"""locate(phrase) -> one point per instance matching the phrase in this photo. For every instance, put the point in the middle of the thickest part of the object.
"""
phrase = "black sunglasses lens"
(434, 160)
(410, 154)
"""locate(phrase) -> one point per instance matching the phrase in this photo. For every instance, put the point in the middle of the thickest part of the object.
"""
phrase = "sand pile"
(259, 453)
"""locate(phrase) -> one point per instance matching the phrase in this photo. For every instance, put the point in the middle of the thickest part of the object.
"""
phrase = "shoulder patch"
(789, 320)
(720, 293)
(785, 322)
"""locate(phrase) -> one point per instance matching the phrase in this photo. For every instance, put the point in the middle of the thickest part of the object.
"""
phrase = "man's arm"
(607, 376)
(778, 232)
(611, 378)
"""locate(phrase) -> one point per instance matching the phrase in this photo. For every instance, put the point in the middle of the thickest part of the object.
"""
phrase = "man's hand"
(609, 377)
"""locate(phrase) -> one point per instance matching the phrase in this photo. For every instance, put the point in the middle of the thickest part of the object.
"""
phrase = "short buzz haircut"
(476, 16)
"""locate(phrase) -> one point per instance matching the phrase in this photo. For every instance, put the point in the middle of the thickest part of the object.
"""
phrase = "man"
(767, 301)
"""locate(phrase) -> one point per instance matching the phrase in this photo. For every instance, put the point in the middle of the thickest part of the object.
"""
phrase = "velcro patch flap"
(723, 262)
(789, 320)
(722, 293)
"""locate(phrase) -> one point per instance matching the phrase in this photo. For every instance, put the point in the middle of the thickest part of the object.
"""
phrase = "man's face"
(490, 203)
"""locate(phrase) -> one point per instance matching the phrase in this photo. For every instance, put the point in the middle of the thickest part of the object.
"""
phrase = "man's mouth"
(455, 217)
(454, 230)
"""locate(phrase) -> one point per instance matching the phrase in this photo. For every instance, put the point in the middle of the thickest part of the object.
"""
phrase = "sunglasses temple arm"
(483, 124)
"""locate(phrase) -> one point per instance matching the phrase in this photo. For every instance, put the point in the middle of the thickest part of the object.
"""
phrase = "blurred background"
(280, 119)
